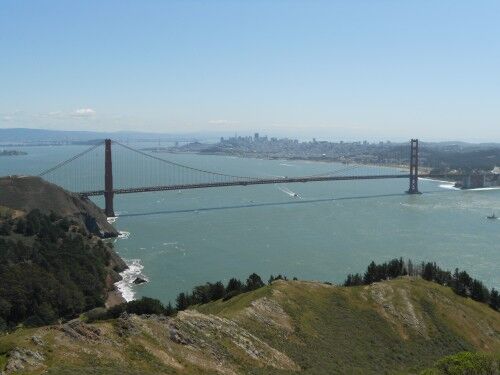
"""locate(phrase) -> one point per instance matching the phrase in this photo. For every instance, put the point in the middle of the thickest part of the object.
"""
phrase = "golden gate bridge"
(110, 167)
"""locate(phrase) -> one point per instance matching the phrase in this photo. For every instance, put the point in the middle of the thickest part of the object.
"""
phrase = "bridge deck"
(288, 180)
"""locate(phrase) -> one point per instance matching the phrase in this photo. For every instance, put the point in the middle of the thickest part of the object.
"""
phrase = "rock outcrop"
(20, 359)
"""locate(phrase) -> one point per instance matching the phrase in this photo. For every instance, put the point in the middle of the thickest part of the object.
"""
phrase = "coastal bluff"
(26, 193)
(55, 263)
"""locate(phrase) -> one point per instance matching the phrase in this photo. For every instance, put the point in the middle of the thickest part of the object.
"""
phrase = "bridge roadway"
(256, 181)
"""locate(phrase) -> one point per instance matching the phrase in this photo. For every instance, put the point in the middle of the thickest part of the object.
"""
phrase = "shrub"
(231, 294)
(5, 228)
(115, 311)
(3, 326)
(465, 363)
(145, 305)
(99, 313)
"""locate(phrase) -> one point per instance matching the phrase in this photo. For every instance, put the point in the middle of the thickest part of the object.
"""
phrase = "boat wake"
(288, 192)
(449, 187)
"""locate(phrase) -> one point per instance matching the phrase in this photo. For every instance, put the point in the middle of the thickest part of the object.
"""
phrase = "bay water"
(178, 239)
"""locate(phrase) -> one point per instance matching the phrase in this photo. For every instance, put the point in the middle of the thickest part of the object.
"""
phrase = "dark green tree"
(494, 299)
(5, 228)
(217, 291)
(254, 282)
(370, 275)
(181, 302)
(169, 310)
(234, 285)
(145, 305)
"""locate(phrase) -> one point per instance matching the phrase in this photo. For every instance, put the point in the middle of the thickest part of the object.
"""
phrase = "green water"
(333, 228)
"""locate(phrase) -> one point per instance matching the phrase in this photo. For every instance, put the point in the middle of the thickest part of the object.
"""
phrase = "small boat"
(492, 217)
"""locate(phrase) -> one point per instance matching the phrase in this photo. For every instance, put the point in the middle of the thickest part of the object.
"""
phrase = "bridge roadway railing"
(288, 180)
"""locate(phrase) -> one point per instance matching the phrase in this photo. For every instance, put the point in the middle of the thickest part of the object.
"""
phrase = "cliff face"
(294, 327)
(26, 193)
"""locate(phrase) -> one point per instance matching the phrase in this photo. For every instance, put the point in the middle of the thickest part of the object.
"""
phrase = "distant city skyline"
(374, 70)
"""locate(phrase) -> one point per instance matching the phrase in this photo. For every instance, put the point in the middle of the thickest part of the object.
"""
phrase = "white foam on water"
(123, 235)
(448, 186)
(126, 285)
(484, 189)
(434, 180)
(112, 219)
(287, 165)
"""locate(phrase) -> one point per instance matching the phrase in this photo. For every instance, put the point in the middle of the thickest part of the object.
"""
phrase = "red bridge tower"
(108, 180)
(414, 168)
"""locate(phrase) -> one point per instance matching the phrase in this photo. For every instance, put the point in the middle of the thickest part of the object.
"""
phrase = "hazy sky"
(330, 69)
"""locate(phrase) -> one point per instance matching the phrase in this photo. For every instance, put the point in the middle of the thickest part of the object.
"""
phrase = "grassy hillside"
(396, 327)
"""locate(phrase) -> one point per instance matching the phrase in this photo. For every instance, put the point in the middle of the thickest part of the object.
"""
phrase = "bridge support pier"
(108, 180)
(414, 168)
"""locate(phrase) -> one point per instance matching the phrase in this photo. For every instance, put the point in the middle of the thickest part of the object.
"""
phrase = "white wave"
(485, 188)
(112, 219)
(123, 235)
(126, 285)
(434, 180)
(287, 165)
(449, 186)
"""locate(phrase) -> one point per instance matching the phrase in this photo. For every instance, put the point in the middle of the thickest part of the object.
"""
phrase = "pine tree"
(494, 299)
(217, 291)
(370, 274)
(410, 268)
(254, 282)
(479, 292)
(169, 310)
(182, 302)
(234, 285)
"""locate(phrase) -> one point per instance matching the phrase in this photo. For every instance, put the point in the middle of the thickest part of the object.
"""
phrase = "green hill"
(27, 193)
(400, 326)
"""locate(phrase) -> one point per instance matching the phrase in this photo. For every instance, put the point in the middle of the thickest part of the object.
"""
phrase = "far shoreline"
(426, 170)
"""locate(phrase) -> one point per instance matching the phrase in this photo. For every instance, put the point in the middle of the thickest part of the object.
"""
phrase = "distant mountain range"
(26, 135)
(22, 135)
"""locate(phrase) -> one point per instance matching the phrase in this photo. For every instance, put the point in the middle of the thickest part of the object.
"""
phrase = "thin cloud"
(55, 114)
(222, 122)
(84, 112)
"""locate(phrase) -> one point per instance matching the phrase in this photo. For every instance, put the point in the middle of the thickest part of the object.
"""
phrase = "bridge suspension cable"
(134, 170)
(183, 166)
(77, 156)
